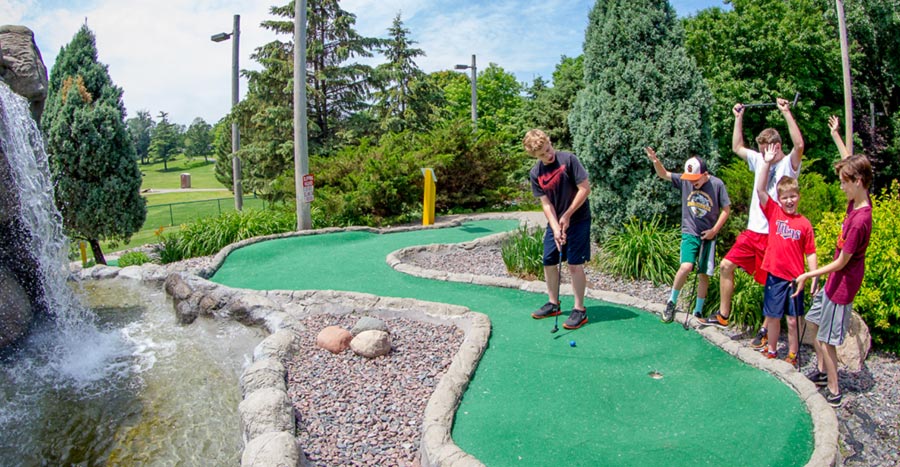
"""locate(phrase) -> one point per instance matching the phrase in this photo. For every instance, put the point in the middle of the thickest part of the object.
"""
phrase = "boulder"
(371, 344)
(368, 323)
(22, 67)
(266, 410)
(15, 309)
(265, 373)
(857, 343)
(334, 339)
(273, 449)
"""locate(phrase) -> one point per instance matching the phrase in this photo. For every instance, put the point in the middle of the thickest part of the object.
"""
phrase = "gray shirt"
(700, 208)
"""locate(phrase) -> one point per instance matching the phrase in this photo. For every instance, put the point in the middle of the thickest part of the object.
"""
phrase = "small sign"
(308, 181)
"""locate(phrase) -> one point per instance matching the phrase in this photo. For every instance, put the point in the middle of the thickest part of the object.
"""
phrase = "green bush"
(523, 253)
(878, 301)
(642, 250)
(133, 258)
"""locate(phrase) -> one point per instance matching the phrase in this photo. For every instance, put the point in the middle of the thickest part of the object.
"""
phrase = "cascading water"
(116, 381)
(23, 145)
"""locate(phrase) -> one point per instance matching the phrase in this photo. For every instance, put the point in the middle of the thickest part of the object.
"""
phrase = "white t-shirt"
(757, 221)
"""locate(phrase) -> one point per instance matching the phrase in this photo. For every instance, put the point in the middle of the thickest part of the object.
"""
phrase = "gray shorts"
(832, 319)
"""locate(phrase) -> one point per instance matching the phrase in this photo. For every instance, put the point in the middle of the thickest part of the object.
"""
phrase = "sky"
(160, 53)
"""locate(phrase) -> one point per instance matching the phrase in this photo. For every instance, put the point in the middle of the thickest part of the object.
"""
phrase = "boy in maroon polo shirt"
(791, 238)
(833, 304)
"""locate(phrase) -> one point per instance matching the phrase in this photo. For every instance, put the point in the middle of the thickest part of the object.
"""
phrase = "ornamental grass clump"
(523, 253)
(642, 250)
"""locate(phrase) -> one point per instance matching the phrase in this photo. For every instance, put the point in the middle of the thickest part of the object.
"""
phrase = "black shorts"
(577, 249)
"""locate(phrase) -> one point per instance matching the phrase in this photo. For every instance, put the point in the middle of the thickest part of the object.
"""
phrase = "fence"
(167, 215)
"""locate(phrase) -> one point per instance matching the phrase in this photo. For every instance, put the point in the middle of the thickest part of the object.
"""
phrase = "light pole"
(474, 89)
(235, 133)
(301, 146)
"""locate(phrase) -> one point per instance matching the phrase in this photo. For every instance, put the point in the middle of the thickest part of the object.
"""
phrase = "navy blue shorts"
(777, 301)
(577, 249)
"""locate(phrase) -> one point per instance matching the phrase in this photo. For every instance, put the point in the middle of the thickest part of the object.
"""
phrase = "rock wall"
(23, 70)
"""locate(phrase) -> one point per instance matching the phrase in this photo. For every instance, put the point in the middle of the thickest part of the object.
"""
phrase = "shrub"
(642, 250)
(207, 236)
(133, 258)
(878, 301)
(523, 253)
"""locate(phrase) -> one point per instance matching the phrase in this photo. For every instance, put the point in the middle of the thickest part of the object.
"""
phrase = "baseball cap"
(694, 168)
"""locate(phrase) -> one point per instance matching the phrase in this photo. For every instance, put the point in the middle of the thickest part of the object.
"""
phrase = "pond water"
(129, 387)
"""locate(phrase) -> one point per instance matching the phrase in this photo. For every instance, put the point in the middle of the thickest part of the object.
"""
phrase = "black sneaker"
(833, 400)
(716, 319)
(549, 310)
(817, 377)
(760, 340)
(577, 318)
(669, 315)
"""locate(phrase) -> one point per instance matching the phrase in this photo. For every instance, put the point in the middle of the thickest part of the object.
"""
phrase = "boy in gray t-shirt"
(705, 207)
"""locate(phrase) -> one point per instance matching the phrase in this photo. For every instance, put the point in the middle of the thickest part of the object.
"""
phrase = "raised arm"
(763, 181)
(661, 171)
(834, 125)
(737, 136)
(796, 138)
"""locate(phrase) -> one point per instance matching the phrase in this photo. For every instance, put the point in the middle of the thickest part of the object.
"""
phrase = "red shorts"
(747, 253)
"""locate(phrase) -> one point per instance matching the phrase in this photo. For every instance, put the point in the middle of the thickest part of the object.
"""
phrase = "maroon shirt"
(842, 286)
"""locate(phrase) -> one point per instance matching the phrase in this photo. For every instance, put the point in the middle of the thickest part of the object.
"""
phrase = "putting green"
(535, 399)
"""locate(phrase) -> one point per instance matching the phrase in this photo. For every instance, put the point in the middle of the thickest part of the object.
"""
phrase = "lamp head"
(461, 67)
(222, 36)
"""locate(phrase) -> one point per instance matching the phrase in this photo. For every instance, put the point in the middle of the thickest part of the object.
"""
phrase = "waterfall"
(21, 141)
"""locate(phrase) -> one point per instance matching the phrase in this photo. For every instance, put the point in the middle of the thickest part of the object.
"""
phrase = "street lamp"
(474, 89)
(235, 134)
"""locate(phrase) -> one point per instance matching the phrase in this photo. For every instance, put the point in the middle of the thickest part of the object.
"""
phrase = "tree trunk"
(98, 252)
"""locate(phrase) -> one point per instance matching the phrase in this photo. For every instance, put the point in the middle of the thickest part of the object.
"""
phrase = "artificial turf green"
(535, 399)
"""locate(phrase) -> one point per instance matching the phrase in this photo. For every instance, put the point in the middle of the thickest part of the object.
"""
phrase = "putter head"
(555, 328)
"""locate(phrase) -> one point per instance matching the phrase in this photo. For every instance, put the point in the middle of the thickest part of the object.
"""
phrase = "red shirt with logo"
(791, 238)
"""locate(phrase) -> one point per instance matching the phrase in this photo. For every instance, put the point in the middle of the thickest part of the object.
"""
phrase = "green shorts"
(691, 253)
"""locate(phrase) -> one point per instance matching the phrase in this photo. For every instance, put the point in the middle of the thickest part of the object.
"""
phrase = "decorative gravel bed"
(356, 411)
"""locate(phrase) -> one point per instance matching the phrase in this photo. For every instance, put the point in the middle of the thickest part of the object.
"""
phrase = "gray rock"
(371, 344)
(265, 373)
(15, 309)
(368, 323)
(280, 346)
(22, 67)
(275, 449)
(264, 411)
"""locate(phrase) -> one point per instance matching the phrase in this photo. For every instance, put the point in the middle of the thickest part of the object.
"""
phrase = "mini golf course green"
(537, 400)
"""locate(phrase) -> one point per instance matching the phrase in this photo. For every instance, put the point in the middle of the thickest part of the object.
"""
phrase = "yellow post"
(83, 254)
(430, 190)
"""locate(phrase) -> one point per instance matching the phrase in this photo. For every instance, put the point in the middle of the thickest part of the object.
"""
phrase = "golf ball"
(571, 343)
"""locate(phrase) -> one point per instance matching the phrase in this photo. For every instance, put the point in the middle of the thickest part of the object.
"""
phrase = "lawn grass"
(202, 174)
(156, 199)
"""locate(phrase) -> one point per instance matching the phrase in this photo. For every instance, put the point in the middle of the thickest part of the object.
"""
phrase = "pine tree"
(165, 140)
(92, 158)
(641, 89)
(198, 140)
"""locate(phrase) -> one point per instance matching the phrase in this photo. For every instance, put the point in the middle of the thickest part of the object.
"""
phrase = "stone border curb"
(277, 310)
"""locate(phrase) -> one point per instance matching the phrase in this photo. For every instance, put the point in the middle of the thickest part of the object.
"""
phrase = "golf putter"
(558, 299)
(770, 104)
(687, 314)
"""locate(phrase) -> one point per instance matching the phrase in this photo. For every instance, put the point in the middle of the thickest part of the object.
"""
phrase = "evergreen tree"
(548, 107)
(139, 129)
(641, 89)
(92, 158)
(165, 140)
(198, 140)
(405, 98)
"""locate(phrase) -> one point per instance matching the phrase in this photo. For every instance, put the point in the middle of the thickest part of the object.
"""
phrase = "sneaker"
(770, 355)
(547, 311)
(577, 319)
(817, 377)
(716, 319)
(669, 315)
(698, 315)
(792, 359)
(760, 340)
(833, 400)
